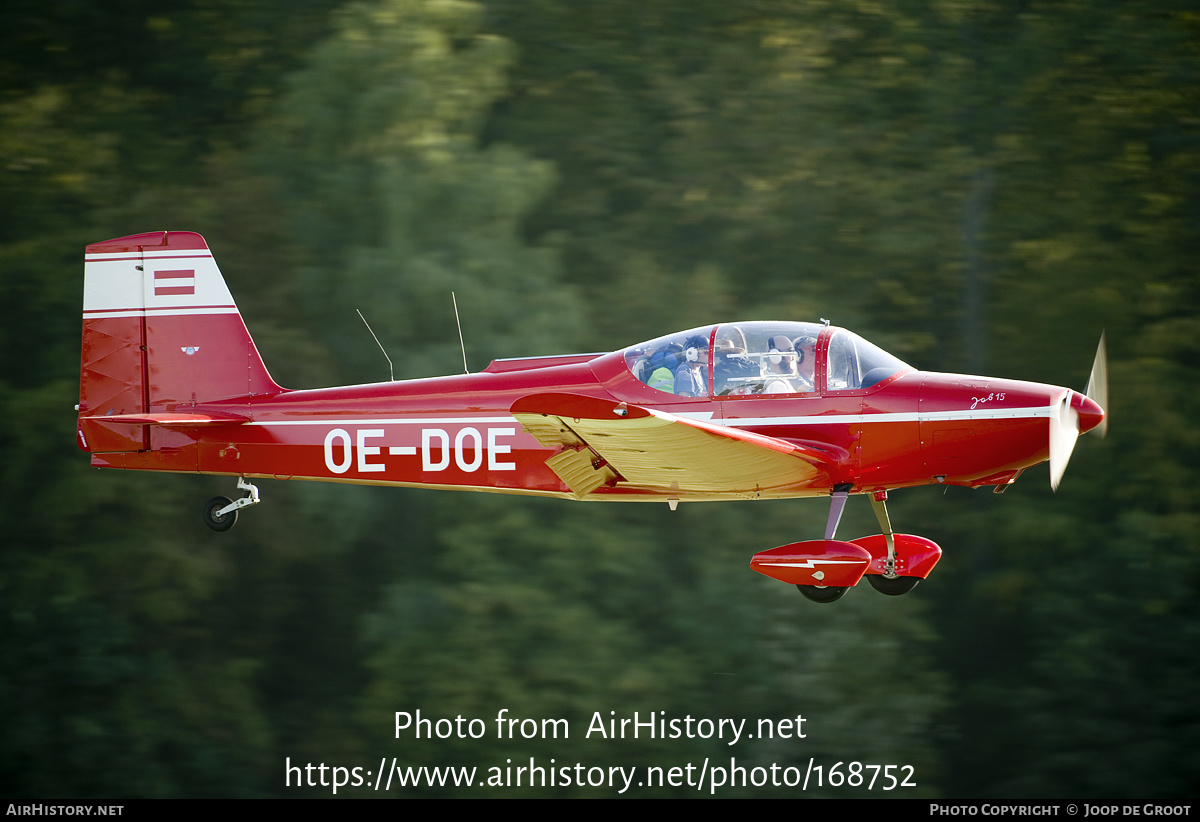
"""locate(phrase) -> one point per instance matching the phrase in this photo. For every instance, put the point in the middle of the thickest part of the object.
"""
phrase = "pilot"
(780, 370)
(731, 367)
(691, 379)
(806, 350)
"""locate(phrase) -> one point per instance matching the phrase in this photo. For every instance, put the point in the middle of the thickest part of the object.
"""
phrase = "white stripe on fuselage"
(1025, 412)
(378, 421)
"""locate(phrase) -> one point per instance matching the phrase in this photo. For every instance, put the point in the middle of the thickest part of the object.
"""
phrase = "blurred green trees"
(975, 187)
(394, 203)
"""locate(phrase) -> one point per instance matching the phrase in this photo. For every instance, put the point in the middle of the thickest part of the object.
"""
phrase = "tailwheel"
(824, 594)
(893, 587)
(221, 513)
(213, 517)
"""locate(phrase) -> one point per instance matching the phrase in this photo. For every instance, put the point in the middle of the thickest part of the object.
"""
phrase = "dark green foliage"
(974, 186)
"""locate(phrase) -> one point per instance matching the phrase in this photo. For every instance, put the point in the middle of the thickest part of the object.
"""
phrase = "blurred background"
(974, 186)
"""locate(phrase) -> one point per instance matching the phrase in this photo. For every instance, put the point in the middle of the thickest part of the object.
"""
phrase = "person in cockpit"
(779, 370)
(805, 347)
(691, 378)
(662, 366)
(729, 365)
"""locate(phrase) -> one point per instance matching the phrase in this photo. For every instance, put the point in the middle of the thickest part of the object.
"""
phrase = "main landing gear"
(893, 587)
(825, 594)
(896, 562)
(824, 569)
(822, 593)
(889, 583)
(221, 513)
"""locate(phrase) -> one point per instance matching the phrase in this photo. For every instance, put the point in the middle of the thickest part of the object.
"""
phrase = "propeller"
(1065, 424)
(1064, 430)
(1097, 387)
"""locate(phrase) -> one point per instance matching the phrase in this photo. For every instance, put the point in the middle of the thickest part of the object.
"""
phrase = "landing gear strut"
(879, 506)
(830, 593)
(221, 513)
(889, 582)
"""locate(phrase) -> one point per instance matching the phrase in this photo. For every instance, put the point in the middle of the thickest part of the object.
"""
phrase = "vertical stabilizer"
(161, 334)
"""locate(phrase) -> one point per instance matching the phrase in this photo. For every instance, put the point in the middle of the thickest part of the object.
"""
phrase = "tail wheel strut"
(221, 513)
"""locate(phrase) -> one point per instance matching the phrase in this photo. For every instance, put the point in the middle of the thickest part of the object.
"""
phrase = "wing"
(605, 443)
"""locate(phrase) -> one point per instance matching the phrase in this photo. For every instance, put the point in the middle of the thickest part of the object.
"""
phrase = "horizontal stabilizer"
(170, 420)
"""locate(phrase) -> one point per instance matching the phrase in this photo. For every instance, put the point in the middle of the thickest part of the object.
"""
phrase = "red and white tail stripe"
(165, 272)
(161, 334)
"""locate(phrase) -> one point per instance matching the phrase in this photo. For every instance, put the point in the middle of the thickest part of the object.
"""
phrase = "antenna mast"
(461, 344)
(391, 371)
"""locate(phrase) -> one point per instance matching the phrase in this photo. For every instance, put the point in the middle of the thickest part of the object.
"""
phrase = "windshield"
(855, 363)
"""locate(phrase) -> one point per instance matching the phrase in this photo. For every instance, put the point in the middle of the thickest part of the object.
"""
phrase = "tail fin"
(161, 334)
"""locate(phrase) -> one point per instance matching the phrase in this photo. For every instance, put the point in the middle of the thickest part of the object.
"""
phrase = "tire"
(831, 593)
(216, 521)
(893, 587)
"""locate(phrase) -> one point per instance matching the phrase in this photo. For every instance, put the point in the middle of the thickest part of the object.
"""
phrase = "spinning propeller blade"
(1064, 430)
(1097, 387)
(1065, 426)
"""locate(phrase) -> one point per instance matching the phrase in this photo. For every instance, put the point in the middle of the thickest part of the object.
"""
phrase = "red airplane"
(172, 381)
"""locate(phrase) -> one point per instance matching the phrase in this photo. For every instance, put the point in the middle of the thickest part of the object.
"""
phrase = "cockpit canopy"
(757, 358)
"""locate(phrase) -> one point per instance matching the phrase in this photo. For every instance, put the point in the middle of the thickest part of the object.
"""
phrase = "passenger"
(691, 379)
(663, 364)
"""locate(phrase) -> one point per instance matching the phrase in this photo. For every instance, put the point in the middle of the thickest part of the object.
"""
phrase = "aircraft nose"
(1090, 412)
